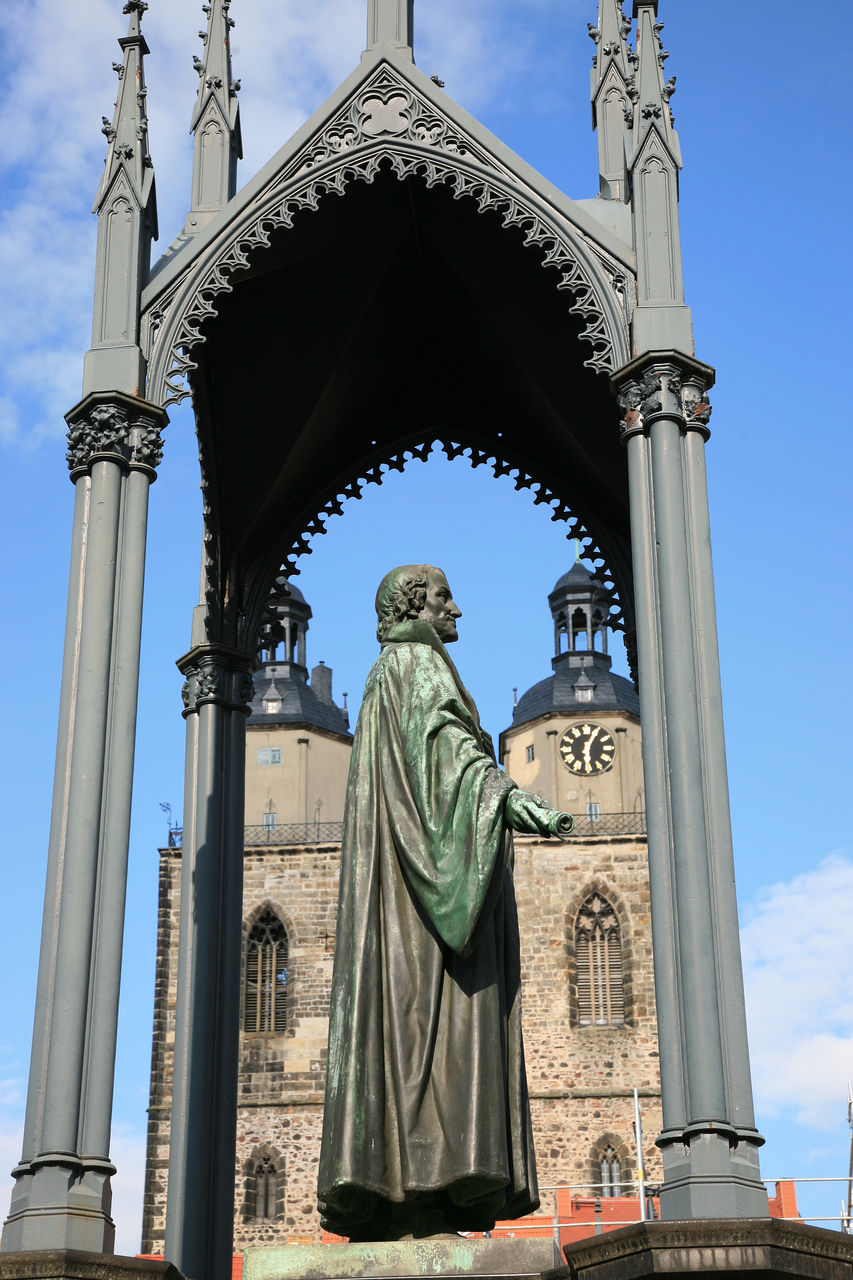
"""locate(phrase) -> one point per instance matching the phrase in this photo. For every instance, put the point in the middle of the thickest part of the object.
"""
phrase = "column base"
(61, 1205)
(711, 1172)
(772, 1249)
(70, 1264)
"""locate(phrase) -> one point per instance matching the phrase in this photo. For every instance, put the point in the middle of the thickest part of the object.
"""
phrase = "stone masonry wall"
(581, 1080)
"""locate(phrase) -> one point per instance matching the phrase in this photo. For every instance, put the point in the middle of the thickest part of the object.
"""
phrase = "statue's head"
(416, 591)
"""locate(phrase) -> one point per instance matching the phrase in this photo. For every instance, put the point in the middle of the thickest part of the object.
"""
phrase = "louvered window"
(611, 1173)
(265, 997)
(598, 949)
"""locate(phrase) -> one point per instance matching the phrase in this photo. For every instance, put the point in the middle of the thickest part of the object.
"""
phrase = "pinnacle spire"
(126, 206)
(215, 121)
(653, 91)
(127, 135)
(612, 89)
(391, 22)
(661, 320)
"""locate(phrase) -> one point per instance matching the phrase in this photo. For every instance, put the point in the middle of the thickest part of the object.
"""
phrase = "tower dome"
(582, 678)
(579, 607)
(283, 694)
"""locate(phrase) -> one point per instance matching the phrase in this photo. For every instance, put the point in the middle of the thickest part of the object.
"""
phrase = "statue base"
(74, 1264)
(761, 1248)
(523, 1259)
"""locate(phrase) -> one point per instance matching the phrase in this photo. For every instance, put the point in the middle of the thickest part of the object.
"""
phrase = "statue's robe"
(426, 1096)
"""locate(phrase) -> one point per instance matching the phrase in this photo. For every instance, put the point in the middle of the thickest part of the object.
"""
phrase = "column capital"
(217, 673)
(663, 384)
(117, 426)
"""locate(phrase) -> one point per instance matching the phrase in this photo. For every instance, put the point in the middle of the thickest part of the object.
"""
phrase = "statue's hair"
(401, 596)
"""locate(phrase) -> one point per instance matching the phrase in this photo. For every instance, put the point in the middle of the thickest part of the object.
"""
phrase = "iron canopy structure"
(392, 277)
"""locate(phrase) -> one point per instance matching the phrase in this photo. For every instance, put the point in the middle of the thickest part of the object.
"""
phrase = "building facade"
(584, 919)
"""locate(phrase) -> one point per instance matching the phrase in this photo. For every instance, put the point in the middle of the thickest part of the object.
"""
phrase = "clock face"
(587, 749)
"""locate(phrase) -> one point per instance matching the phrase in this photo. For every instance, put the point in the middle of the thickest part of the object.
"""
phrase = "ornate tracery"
(388, 122)
(598, 950)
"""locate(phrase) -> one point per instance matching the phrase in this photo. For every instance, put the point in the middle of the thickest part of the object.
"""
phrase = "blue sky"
(765, 203)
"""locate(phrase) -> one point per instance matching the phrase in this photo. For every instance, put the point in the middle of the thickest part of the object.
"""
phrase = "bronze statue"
(427, 1121)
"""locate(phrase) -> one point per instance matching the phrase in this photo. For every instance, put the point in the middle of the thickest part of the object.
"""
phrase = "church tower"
(575, 736)
(584, 909)
(298, 741)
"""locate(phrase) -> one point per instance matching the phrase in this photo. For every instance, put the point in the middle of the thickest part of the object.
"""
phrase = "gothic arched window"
(611, 1172)
(264, 1185)
(266, 1189)
(598, 950)
(265, 995)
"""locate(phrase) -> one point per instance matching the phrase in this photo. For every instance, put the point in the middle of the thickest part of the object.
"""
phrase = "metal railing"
(285, 833)
(610, 824)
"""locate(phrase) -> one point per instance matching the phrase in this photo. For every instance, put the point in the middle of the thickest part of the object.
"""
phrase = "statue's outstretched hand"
(531, 815)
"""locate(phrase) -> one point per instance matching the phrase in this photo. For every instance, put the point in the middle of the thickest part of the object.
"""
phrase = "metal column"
(200, 1206)
(709, 1141)
(62, 1194)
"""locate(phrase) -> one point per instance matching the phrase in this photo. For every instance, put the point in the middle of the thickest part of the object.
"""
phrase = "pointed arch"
(264, 1184)
(266, 974)
(611, 1166)
(282, 565)
(600, 969)
(389, 122)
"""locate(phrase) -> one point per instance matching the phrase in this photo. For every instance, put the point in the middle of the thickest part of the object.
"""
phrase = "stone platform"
(404, 1260)
(74, 1264)
(765, 1248)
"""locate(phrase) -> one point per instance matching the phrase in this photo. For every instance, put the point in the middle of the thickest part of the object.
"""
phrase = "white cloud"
(797, 954)
(289, 58)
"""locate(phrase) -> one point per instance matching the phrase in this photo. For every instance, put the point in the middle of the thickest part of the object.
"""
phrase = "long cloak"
(426, 1093)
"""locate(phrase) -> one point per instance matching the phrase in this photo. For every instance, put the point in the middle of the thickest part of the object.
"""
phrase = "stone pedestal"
(73, 1264)
(404, 1260)
(767, 1248)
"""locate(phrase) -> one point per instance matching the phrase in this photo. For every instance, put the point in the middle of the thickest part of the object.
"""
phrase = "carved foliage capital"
(219, 675)
(127, 430)
(674, 388)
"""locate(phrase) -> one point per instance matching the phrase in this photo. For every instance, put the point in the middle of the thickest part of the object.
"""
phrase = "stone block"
(765, 1248)
(72, 1264)
(403, 1260)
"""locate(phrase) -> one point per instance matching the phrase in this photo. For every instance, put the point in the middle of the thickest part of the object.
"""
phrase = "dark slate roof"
(577, 577)
(299, 704)
(295, 593)
(556, 694)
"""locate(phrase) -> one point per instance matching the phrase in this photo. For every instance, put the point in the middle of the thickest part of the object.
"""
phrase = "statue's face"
(439, 609)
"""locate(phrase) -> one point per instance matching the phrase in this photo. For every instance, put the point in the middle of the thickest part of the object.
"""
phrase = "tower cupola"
(294, 614)
(579, 607)
(582, 681)
(283, 692)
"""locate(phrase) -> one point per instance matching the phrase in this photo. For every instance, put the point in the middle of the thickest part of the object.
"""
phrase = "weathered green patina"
(427, 1121)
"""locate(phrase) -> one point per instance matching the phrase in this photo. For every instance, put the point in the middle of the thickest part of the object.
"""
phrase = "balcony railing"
(281, 834)
(610, 824)
(284, 833)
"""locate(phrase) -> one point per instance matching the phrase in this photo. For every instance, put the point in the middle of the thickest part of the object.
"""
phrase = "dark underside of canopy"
(388, 317)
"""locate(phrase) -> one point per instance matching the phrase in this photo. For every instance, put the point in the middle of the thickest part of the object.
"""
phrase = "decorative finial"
(652, 93)
(661, 319)
(126, 196)
(215, 121)
(611, 92)
(127, 134)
